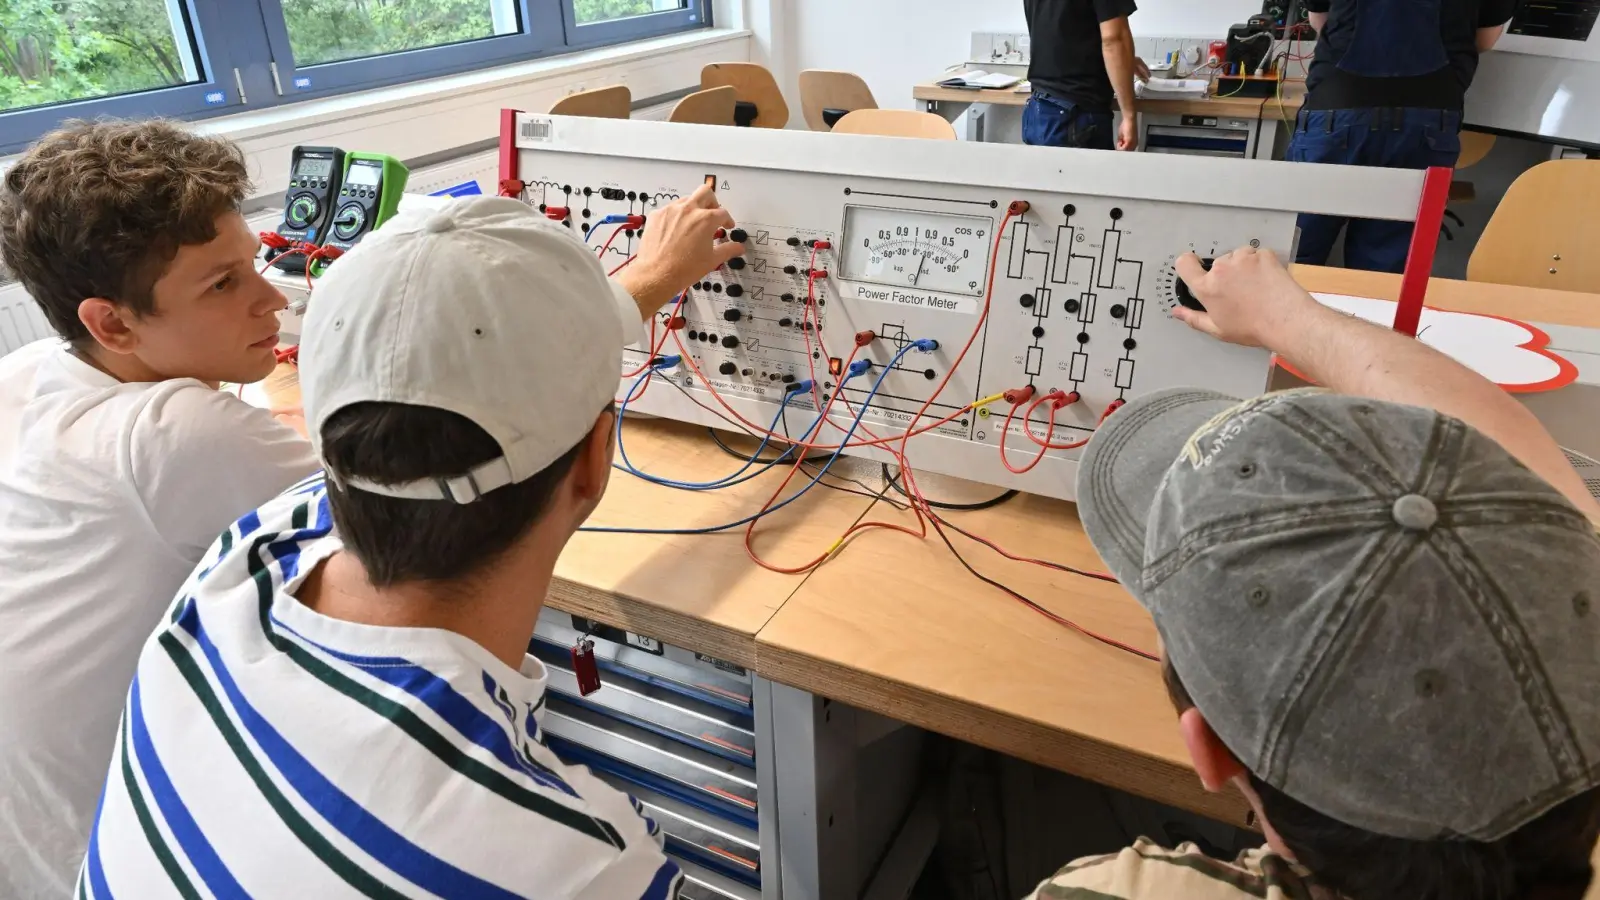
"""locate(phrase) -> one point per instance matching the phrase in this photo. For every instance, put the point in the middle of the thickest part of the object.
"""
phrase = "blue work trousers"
(1387, 138)
(1050, 121)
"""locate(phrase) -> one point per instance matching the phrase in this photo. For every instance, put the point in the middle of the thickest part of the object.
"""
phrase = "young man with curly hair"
(120, 461)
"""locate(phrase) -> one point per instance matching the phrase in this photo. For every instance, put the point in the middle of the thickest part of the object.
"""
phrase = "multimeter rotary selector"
(316, 176)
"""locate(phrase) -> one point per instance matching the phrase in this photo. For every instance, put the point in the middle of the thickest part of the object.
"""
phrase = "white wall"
(894, 44)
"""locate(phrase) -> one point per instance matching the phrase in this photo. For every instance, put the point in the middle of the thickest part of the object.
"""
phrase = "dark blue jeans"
(1052, 122)
(1388, 138)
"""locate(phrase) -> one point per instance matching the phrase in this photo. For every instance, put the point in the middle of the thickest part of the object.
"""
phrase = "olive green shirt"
(1147, 871)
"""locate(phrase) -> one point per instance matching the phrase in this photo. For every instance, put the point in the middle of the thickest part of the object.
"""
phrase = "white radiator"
(21, 322)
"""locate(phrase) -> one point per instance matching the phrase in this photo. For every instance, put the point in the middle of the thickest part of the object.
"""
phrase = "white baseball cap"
(483, 308)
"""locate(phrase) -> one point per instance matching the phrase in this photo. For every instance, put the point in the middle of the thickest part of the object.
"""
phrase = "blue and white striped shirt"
(268, 751)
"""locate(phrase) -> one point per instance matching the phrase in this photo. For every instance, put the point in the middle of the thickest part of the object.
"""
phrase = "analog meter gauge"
(909, 248)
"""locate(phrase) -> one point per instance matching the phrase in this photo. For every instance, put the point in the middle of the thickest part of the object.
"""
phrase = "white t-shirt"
(110, 494)
(269, 751)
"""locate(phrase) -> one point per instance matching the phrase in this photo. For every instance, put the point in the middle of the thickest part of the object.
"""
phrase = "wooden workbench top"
(696, 591)
(1242, 107)
(897, 625)
(1527, 304)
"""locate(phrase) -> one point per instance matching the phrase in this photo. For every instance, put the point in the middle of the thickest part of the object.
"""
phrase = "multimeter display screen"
(314, 168)
(367, 175)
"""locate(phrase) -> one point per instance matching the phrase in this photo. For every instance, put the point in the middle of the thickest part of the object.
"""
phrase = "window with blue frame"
(192, 58)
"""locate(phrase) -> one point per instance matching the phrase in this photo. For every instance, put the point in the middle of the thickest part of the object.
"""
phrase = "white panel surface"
(1083, 282)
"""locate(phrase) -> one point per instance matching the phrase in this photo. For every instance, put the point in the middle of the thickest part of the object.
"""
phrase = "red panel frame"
(1424, 243)
(510, 167)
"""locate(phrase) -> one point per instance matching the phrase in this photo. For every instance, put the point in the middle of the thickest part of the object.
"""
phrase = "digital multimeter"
(369, 195)
(315, 177)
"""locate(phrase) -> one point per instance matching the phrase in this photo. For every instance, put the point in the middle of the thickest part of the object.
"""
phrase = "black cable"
(894, 481)
(865, 491)
(745, 457)
(1024, 599)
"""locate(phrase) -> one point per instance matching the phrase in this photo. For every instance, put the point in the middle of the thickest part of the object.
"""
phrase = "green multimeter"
(369, 195)
(315, 176)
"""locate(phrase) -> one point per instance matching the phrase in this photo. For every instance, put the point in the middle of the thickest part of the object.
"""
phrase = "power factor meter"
(316, 176)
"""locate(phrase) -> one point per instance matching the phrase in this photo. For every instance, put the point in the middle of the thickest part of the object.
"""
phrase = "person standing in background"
(1082, 58)
(1386, 88)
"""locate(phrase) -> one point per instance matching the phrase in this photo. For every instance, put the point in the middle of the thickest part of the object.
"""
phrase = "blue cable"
(613, 219)
(730, 480)
(866, 402)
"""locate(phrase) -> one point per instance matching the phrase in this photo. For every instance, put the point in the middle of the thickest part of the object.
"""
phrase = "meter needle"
(922, 263)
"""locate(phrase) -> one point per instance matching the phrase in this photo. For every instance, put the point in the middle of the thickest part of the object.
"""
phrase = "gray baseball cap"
(1377, 609)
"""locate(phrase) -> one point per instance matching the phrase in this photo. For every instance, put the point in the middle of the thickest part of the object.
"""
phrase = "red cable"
(1057, 401)
(1045, 563)
(749, 531)
(1006, 428)
(1013, 209)
(862, 339)
(655, 345)
(1062, 620)
(762, 429)
(619, 229)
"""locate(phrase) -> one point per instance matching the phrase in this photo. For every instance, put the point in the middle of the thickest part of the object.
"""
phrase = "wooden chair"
(1475, 145)
(826, 97)
(713, 107)
(896, 123)
(1544, 231)
(760, 102)
(601, 103)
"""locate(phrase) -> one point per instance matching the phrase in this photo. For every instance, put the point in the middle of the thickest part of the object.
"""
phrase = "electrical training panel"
(896, 237)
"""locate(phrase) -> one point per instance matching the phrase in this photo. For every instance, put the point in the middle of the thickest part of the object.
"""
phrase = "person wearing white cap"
(340, 703)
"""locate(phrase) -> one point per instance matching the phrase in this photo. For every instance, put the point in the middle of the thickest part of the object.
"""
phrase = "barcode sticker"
(538, 130)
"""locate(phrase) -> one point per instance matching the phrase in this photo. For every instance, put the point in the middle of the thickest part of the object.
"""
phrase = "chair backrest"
(601, 103)
(1475, 145)
(896, 123)
(713, 107)
(755, 85)
(1544, 231)
(821, 89)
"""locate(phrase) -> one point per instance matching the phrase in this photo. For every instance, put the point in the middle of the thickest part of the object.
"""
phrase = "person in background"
(120, 460)
(1386, 88)
(341, 703)
(1082, 57)
(1377, 614)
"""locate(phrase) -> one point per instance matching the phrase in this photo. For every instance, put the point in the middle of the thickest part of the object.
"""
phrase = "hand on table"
(1247, 295)
(678, 248)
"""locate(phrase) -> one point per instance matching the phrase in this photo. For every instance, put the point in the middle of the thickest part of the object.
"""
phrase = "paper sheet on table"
(1512, 354)
(1196, 86)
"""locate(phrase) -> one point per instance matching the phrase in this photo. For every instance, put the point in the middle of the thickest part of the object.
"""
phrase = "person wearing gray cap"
(1375, 604)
